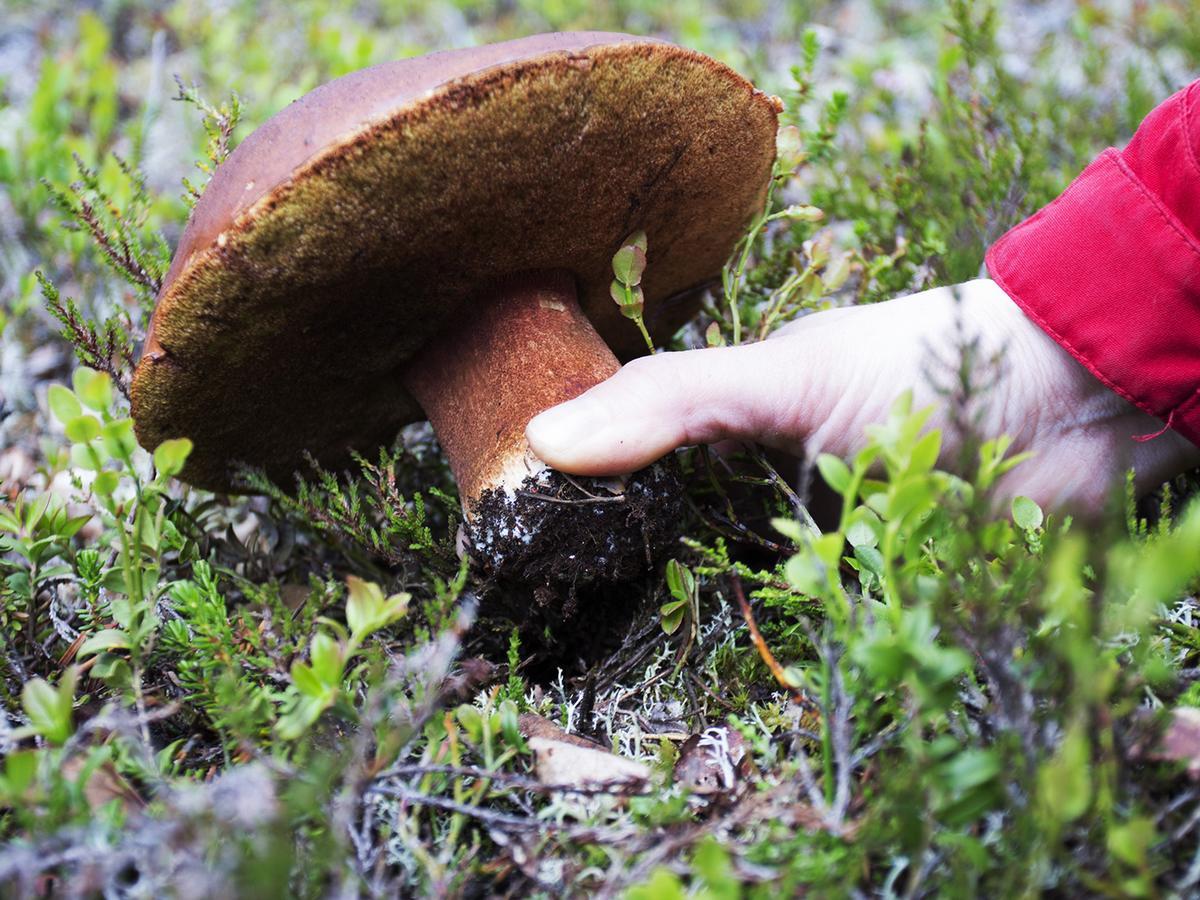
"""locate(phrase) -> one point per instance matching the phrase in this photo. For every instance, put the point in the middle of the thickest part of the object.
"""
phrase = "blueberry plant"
(307, 691)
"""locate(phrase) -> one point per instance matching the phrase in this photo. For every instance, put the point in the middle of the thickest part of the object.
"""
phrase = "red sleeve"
(1111, 269)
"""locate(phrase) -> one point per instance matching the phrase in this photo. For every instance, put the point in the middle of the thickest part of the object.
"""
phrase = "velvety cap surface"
(369, 214)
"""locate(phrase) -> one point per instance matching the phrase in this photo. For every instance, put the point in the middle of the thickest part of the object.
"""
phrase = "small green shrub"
(301, 692)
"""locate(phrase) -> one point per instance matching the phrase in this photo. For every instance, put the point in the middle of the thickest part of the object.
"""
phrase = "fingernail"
(560, 429)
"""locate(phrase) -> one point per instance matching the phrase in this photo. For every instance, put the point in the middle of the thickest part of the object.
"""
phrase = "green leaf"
(1065, 782)
(805, 573)
(680, 581)
(113, 670)
(20, 768)
(301, 717)
(63, 404)
(170, 456)
(672, 615)
(1131, 841)
(790, 529)
(105, 483)
(870, 559)
(395, 607)
(835, 472)
(165, 758)
(925, 453)
(118, 438)
(634, 309)
(1026, 514)
(471, 721)
(789, 147)
(628, 264)
(663, 884)
(363, 605)
(71, 527)
(82, 429)
(88, 456)
(101, 641)
(114, 580)
(306, 681)
(712, 863)
(836, 273)
(970, 768)
(863, 531)
(366, 609)
(94, 389)
(326, 657)
(914, 495)
(510, 722)
(49, 708)
(800, 213)
(828, 549)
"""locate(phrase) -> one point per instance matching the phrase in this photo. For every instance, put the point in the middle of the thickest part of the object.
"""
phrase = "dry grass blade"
(764, 651)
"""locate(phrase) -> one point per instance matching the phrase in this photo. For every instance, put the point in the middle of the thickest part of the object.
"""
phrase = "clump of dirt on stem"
(562, 532)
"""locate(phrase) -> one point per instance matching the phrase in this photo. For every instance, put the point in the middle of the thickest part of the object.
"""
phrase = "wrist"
(1078, 406)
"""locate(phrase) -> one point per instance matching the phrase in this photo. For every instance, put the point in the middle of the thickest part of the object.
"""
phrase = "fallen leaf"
(535, 726)
(572, 760)
(562, 763)
(473, 672)
(1180, 741)
(293, 596)
(104, 785)
(712, 761)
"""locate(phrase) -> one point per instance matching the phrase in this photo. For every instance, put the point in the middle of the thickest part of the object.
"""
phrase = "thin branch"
(763, 650)
(110, 353)
(522, 782)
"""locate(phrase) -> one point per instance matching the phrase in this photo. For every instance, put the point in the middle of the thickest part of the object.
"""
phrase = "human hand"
(816, 384)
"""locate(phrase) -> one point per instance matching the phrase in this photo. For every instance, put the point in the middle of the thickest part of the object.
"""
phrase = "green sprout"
(628, 265)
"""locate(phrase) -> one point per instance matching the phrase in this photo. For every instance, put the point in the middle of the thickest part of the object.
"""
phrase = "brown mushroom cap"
(366, 216)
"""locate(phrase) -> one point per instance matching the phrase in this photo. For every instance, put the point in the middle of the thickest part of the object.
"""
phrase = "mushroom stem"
(521, 348)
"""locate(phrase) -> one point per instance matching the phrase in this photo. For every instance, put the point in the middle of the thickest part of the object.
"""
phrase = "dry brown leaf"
(472, 673)
(712, 761)
(104, 785)
(568, 759)
(562, 763)
(1180, 741)
(293, 595)
(535, 726)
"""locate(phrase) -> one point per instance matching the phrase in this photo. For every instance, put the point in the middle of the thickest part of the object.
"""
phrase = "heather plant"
(900, 689)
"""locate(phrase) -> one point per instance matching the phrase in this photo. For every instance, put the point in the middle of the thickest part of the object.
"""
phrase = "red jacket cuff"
(1111, 269)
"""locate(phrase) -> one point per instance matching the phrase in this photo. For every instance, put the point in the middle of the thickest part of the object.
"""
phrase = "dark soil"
(570, 560)
(559, 531)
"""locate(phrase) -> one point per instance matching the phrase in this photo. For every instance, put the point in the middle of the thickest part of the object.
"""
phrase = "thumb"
(657, 403)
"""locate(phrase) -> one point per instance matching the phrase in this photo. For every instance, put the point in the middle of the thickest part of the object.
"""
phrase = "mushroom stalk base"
(524, 348)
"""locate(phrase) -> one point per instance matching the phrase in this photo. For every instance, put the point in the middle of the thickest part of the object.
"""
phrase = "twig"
(740, 531)
(523, 782)
(498, 819)
(644, 645)
(108, 353)
(118, 250)
(781, 485)
(548, 499)
(761, 645)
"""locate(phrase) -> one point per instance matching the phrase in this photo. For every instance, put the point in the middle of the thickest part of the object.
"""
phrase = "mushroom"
(433, 238)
